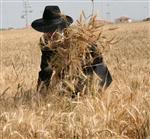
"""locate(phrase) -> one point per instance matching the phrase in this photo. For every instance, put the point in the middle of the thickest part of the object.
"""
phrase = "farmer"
(52, 22)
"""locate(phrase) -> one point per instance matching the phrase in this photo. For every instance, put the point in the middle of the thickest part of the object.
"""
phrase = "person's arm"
(99, 67)
(46, 71)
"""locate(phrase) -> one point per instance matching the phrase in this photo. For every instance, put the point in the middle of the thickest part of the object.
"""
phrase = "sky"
(12, 10)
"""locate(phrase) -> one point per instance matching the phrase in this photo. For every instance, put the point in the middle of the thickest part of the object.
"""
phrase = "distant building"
(102, 21)
(123, 19)
(146, 19)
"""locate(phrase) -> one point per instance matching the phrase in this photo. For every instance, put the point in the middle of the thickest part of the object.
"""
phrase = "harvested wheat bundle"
(73, 48)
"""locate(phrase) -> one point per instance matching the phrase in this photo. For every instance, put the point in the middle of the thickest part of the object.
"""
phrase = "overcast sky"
(12, 10)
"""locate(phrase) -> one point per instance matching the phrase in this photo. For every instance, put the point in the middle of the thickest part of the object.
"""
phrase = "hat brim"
(45, 26)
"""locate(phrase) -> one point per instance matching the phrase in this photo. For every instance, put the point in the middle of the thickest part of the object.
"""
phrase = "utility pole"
(26, 11)
(108, 14)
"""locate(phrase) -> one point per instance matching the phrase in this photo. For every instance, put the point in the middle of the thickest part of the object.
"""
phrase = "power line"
(27, 10)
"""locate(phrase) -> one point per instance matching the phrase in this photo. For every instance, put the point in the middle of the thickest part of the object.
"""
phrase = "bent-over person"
(49, 24)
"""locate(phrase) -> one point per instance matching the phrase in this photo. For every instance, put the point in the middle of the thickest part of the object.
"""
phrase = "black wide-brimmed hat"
(51, 20)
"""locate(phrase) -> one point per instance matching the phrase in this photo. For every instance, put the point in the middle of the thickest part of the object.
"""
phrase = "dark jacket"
(98, 66)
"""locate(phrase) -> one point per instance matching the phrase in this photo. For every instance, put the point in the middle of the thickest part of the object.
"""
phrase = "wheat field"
(120, 112)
